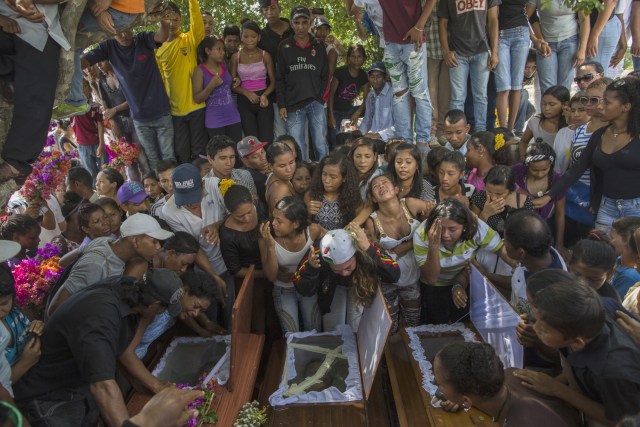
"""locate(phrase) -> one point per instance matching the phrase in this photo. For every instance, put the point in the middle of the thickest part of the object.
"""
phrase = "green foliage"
(233, 11)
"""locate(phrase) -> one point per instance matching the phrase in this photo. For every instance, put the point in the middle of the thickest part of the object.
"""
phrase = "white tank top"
(288, 261)
(409, 269)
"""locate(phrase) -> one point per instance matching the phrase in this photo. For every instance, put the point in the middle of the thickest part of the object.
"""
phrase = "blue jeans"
(607, 43)
(89, 24)
(156, 139)
(525, 111)
(513, 48)
(315, 114)
(89, 159)
(557, 68)
(636, 63)
(62, 409)
(408, 70)
(475, 67)
(612, 209)
(344, 310)
(279, 126)
(290, 306)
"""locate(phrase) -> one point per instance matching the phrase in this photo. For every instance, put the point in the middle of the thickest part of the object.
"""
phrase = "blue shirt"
(624, 278)
(378, 116)
(137, 70)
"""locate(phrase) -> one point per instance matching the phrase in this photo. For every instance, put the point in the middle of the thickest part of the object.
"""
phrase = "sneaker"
(65, 111)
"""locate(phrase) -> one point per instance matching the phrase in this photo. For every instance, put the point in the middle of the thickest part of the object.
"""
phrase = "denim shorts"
(612, 209)
(513, 48)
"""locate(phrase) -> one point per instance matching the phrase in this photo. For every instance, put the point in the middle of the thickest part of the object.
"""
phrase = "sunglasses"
(585, 78)
(590, 100)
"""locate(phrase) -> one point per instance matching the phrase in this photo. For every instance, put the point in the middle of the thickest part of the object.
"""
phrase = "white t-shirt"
(562, 147)
(213, 210)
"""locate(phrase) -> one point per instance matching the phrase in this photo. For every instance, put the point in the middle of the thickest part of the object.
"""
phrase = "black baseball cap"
(299, 11)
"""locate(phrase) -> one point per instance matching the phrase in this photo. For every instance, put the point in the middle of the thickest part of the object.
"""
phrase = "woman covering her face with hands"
(344, 271)
(443, 244)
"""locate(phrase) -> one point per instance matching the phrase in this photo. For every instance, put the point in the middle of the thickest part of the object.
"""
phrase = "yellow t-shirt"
(177, 59)
(128, 6)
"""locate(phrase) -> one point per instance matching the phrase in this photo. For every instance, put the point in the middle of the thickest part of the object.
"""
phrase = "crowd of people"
(277, 147)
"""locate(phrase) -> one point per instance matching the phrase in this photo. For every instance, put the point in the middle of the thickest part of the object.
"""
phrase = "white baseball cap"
(337, 246)
(141, 223)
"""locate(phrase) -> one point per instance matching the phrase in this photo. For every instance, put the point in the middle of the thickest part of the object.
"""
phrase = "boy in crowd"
(80, 181)
(177, 60)
(602, 363)
(221, 154)
(133, 199)
(469, 38)
(526, 109)
(378, 118)
(89, 133)
(207, 20)
(302, 75)
(164, 170)
(231, 39)
(133, 60)
(276, 30)
(456, 131)
(254, 159)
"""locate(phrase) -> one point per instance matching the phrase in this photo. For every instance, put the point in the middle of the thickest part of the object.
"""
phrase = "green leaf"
(210, 418)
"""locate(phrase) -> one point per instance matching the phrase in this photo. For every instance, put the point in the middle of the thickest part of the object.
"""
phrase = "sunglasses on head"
(585, 78)
(590, 100)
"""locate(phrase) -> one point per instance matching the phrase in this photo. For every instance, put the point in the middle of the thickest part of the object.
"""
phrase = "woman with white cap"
(345, 273)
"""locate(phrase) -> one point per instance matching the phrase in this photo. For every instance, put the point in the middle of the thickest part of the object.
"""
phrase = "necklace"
(506, 400)
(537, 191)
(616, 133)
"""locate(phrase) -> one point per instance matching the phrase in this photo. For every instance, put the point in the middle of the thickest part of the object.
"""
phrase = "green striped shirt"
(453, 261)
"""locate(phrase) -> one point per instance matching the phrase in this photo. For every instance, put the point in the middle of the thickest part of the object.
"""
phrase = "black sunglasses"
(585, 78)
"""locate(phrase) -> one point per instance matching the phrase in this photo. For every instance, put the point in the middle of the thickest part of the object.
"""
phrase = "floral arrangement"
(498, 142)
(251, 415)
(202, 404)
(225, 184)
(48, 173)
(121, 153)
(35, 277)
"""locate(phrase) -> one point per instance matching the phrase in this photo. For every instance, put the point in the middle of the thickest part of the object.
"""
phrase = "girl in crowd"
(484, 151)
(152, 187)
(72, 236)
(544, 126)
(472, 375)
(239, 233)
(256, 71)
(364, 157)
(23, 347)
(93, 222)
(347, 83)
(442, 246)
(560, 41)
(24, 230)
(392, 224)
(212, 84)
(613, 155)
(302, 179)
(283, 165)
(577, 116)
(622, 238)
(283, 244)
(292, 144)
(405, 167)
(179, 252)
(108, 181)
(499, 198)
(535, 177)
(345, 272)
(333, 197)
(114, 214)
(450, 184)
(431, 164)
(593, 259)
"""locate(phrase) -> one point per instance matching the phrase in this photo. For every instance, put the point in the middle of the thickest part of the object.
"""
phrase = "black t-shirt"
(348, 88)
(81, 342)
(512, 14)
(607, 370)
(239, 248)
(270, 40)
